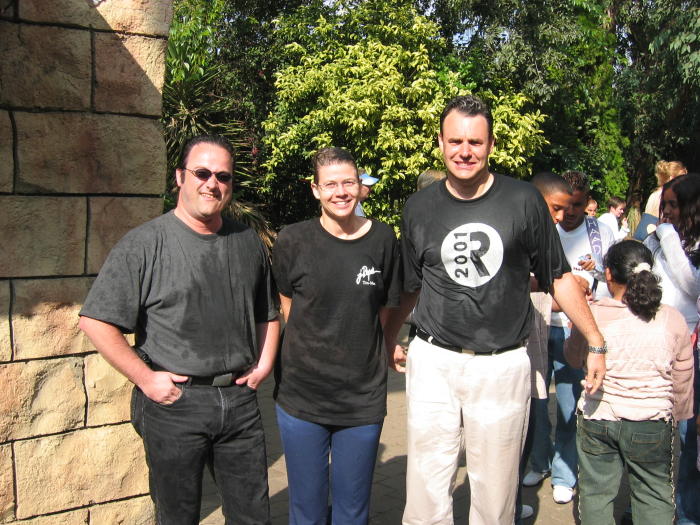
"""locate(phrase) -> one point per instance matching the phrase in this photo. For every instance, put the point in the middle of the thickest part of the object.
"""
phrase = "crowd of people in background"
(508, 285)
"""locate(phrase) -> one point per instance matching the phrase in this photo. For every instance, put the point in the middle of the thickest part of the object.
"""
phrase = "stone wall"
(82, 160)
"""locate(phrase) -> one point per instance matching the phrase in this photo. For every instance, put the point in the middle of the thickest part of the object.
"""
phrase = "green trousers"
(644, 449)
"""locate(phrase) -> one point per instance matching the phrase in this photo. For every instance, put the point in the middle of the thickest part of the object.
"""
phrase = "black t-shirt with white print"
(471, 260)
(333, 367)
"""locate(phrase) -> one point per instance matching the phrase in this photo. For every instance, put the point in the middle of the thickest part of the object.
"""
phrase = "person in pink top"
(628, 423)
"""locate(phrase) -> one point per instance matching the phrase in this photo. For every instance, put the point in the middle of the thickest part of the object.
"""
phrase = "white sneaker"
(562, 494)
(533, 478)
(526, 512)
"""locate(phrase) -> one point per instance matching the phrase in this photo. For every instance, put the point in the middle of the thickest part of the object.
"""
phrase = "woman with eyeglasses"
(676, 248)
(336, 274)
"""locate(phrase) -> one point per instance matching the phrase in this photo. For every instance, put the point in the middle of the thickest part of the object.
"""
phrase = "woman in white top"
(675, 246)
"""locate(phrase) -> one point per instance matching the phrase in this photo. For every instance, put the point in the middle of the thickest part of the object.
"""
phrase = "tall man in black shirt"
(196, 290)
(468, 245)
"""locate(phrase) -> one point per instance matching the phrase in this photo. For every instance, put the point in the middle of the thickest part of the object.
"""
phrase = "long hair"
(630, 264)
(687, 190)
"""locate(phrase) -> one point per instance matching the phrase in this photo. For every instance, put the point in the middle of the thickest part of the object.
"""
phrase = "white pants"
(491, 395)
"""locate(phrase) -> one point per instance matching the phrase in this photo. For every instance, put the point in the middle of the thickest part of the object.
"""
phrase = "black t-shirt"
(193, 300)
(471, 261)
(333, 367)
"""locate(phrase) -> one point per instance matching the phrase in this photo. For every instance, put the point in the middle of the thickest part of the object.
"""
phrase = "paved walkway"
(389, 488)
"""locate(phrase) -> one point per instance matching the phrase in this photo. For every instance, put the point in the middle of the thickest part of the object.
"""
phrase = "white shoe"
(533, 478)
(526, 512)
(562, 494)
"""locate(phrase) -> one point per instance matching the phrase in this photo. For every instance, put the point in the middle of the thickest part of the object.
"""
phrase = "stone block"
(45, 317)
(151, 17)
(41, 397)
(136, 511)
(7, 485)
(7, 158)
(111, 218)
(108, 393)
(48, 67)
(5, 339)
(45, 235)
(87, 153)
(88, 466)
(8, 9)
(74, 517)
(129, 72)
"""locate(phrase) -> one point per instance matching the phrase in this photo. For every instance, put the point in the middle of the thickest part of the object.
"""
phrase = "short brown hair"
(330, 156)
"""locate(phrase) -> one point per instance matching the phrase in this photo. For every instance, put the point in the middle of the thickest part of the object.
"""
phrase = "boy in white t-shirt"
(616, 208)
(560, 458)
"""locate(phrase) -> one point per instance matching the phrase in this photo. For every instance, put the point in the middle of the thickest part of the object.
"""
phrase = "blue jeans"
(307, 447)
(560, 458)
(688, 488)
(218, 427)
(644, 449)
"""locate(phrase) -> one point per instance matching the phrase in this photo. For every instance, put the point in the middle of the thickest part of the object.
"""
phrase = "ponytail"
(630, 264)
(643, 294)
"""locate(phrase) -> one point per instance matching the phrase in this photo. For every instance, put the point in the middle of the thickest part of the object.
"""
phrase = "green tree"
(372, 76)
(657, 85)
(560, 54)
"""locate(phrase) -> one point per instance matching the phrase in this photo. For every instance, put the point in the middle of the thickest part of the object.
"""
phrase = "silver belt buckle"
(223, 380)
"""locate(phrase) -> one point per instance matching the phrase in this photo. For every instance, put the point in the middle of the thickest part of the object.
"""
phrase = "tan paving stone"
(5, 340)
(45, 317)
(56, 227)
(129, 72)
(7, 166)
(88, 153)
(45, 66)
(136, 16)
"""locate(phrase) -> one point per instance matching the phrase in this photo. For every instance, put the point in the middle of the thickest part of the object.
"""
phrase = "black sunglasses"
(204, 174)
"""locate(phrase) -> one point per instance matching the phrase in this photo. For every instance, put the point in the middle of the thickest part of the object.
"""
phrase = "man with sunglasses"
(196, 290)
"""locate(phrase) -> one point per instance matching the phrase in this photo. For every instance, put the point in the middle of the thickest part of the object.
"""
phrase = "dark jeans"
(220, 427)
(645, 449)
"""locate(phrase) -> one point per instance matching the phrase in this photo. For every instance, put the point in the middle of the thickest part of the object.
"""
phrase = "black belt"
(227, 379)
(425, 336)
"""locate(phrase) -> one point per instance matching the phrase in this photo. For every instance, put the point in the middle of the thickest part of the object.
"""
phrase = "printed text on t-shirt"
(472, 254)
(365, 276)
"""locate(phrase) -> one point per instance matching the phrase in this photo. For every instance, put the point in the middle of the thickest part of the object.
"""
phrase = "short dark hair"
(643, 294)
(578, 181)
(470, 106)
(331, 156)
(548, 183)
(216, 140)
(614, 202)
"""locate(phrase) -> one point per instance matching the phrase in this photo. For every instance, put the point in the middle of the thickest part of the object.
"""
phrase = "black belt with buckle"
(425, 336)
(227, 379)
